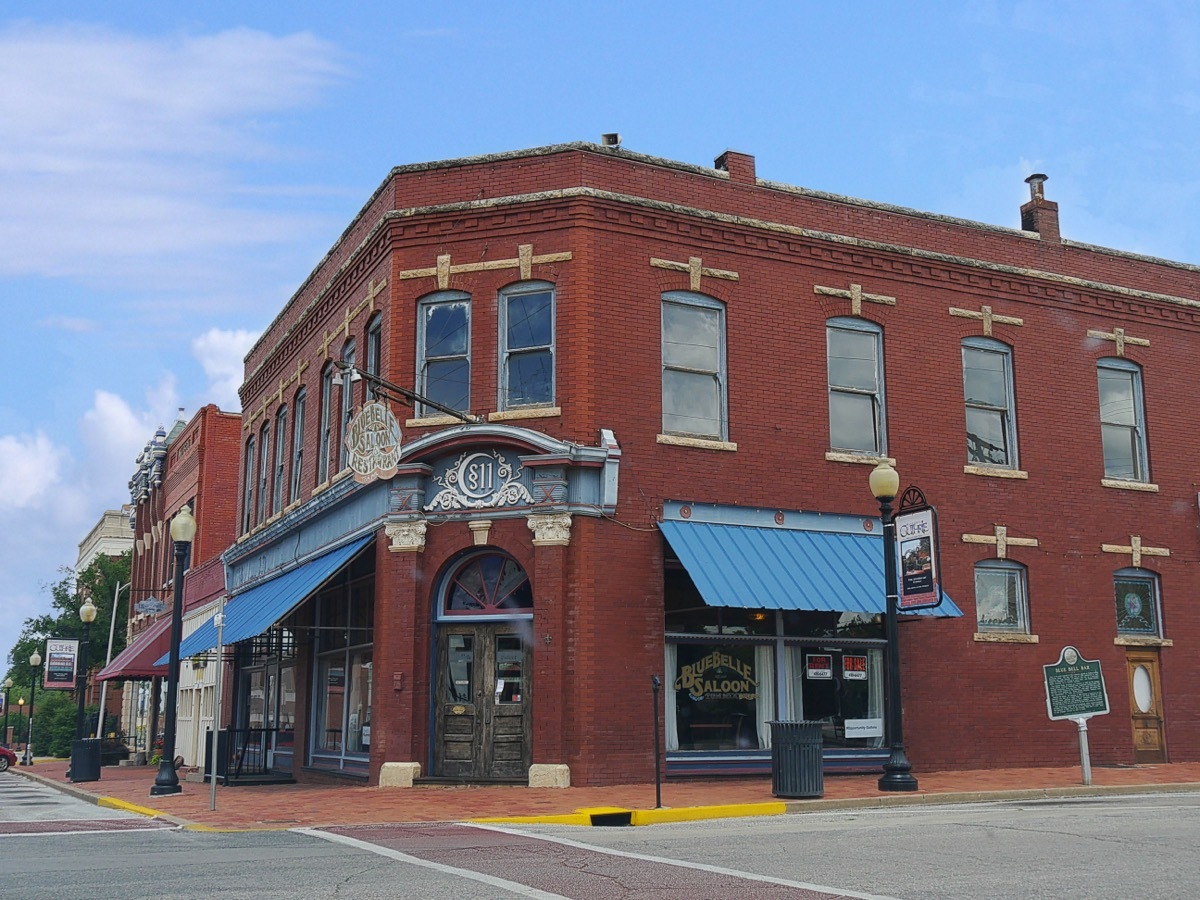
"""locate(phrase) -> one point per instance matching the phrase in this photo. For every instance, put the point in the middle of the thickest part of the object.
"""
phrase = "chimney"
(1040, 214)
(740, 166)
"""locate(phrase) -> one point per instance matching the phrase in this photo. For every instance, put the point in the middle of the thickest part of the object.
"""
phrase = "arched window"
(347, 405)
(444, 351)
(280, 459)
(1138, 603)
(1001, 596)
(374, 350)
(324, 437)
(297, 443)
(487, 584)
(248, 476)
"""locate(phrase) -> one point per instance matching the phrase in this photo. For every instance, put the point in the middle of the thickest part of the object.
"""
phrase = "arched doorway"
(482, 691)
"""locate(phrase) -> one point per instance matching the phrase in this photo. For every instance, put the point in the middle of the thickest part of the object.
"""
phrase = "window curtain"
(669, 711)
(765, 673)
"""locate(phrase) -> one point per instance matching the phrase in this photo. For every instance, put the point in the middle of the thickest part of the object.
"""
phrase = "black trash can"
(85, 759)
(796, 759)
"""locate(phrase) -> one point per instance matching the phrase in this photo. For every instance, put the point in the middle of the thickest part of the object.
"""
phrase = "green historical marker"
(1075, 690)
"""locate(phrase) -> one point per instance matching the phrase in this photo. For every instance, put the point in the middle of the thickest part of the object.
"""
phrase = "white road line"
(523, 890)
(703, 867)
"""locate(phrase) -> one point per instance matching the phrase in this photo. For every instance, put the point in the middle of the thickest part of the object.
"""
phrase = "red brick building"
(195, 464)
(673, 382)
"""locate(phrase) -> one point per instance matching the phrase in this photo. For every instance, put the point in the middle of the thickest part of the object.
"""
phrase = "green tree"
(98, 581)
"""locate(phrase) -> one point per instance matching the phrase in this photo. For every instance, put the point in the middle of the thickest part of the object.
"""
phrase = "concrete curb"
(102, 800)
(610, 816)
(621, 816)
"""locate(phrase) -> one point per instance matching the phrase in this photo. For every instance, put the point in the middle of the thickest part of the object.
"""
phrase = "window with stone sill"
(444, 352)
(857, 419)
(693, 366)
(527, 346)
(1001, 597)
(1138, 603)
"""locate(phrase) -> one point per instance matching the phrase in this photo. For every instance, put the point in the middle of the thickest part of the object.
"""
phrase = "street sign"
(1075, 687)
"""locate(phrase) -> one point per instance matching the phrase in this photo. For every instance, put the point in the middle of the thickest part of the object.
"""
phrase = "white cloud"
(30, 467)
(222, 354)
(69, 323)
(122, 165)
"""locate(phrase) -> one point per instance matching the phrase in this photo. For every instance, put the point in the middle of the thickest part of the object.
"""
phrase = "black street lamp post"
(183, 530)
(87, 615)
(897, 771)
(35, 662)
(7, 687)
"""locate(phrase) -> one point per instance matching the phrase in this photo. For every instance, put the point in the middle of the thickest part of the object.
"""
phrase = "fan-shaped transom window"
(490, 584)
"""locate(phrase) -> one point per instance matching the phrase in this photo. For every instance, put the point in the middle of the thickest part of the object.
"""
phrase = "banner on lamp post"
(62, 658)
(917, 551)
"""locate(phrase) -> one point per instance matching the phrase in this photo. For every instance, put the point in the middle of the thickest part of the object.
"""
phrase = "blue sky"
(168, 178)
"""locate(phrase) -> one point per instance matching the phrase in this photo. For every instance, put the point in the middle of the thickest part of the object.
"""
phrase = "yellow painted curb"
(114, 803)
(647, 816)
(696, 813)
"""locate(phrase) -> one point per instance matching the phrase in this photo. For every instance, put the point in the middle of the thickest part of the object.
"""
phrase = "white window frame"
(507, 354)
(1135, 432)
(299, 408)
(1011, 572)
(671, 425)
(264, 470)
(877, 394)
(347, 404)
(326, 419)
(1007, 413)
(280, 459)
(249, 475)
(427, 303)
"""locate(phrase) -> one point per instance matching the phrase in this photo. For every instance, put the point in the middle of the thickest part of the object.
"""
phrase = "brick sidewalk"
(307, 805)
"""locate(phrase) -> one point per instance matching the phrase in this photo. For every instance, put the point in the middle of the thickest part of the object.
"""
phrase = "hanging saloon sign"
(917, 549)
(373, 443)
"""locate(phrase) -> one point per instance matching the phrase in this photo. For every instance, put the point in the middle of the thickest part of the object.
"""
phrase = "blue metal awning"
(783, 568)
(251, 613)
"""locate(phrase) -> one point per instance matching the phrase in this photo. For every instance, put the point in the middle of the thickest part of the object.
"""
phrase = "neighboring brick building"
(196, 464)
(678, 379)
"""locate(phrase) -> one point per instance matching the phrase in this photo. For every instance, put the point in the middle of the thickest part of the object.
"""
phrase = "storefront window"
(342, 691)
(842, 689)
(720, 696)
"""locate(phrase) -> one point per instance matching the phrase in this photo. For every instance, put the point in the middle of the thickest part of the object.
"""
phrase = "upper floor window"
(297, 443)
(527, 346)
(1001, 598)
(991, 410)
(347, 406)
(693, 366)
(280, 459)
(325, 437)
(264, 469)
(374, 351)
(856, 400)
(444, 351)
(1122, 420)
(249, 474)
(1137, 603)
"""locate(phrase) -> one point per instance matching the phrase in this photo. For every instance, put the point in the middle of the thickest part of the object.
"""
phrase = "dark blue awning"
(783, 568)
(251, 613)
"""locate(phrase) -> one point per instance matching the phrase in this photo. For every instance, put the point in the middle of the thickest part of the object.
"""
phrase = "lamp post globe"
(35, 662)
(897, 771)
(183, 531)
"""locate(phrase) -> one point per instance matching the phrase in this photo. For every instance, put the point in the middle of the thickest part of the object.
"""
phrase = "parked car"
(7, 758)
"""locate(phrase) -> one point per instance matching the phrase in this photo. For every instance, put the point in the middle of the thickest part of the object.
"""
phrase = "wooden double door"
(483, 723)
